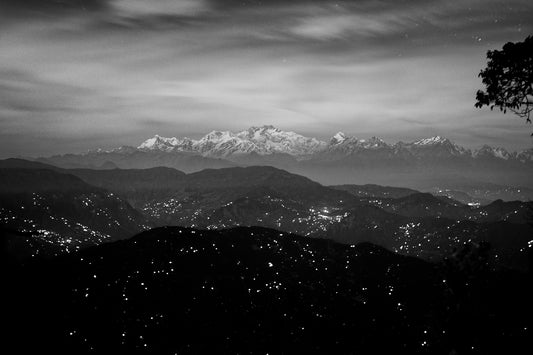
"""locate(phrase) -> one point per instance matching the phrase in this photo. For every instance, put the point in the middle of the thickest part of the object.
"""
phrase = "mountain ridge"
(267, 139)
(426, 163)
(257, 290)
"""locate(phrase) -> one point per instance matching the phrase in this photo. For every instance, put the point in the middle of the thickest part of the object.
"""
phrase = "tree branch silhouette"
(508, 79)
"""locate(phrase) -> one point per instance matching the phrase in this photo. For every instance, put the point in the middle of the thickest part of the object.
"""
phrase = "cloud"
(36, 8)
(159, 7)
(126, 69)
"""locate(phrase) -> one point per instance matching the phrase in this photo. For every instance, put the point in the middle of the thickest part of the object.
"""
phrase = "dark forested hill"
(402, 220)
(254, 290)
(61, 211)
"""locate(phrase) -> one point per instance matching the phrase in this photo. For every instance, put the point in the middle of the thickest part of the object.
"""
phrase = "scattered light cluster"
(62, 223)
(264, 273)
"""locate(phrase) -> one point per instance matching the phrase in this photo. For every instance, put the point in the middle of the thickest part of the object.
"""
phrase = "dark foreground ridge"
(254, 290)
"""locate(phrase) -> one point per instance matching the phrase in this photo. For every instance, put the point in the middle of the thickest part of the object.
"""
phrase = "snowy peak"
(432, 141)
(159, 143)
(340, 145)
(269, 140)
(496, 152)
(217, 136)
(338, 138)
(272, 140)
(262, 140)
(373, 143)
(438, 146)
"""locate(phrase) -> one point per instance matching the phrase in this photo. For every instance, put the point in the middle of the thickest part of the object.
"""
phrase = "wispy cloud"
(88, 70)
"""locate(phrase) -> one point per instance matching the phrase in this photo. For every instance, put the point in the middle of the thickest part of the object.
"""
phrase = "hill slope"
(62, 211)
(250, 290)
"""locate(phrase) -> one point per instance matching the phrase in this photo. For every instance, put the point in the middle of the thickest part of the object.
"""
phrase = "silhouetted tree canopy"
(508, 78)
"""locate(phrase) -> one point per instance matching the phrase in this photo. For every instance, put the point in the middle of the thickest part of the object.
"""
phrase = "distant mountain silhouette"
(424, 164)
(135, 159)
(217, 185)
(136, 185)
(16, 163)
(108, 165)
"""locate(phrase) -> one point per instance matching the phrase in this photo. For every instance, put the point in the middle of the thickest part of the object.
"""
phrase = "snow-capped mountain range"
(261, 140)
(268, 140)
(421, 164)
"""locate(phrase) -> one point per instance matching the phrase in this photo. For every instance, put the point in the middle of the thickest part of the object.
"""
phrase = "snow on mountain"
(125, 149)
(159, 143)
(268, 140)
(437, 146)
(340, 143)
(223, 144)
(373, 143)
(273, 140)
(496, 152)
(338, 138)
(431, 141)
(261, 140)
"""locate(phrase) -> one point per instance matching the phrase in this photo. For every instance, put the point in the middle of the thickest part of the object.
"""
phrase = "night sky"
(77, 75)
